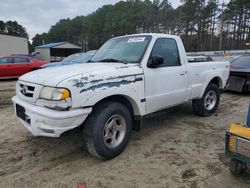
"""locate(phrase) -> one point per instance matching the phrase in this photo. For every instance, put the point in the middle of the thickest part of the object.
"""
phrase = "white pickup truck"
(128, 78)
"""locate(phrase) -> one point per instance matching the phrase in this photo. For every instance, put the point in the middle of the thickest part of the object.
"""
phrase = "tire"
(209, 102)
(107, 130)
(237, 167)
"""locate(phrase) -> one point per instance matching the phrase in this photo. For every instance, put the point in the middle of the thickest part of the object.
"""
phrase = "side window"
(168, 49)
(20, 60)
(5, 60)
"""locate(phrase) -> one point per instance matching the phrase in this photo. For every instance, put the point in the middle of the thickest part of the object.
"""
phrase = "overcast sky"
(38, 15)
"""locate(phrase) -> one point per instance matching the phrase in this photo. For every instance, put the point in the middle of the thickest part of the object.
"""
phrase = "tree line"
(13, 28)
(202, 24)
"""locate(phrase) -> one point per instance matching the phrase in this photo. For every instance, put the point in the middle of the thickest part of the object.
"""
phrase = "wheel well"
(216, 81)
(118, 98)
(130, 104)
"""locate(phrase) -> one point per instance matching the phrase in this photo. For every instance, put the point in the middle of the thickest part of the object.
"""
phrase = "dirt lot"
(177, 149)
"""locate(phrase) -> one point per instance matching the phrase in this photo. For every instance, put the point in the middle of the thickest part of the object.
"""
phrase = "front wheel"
(209, 102)
(107, 130)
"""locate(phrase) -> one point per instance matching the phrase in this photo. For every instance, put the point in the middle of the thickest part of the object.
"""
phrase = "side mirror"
(155, 61)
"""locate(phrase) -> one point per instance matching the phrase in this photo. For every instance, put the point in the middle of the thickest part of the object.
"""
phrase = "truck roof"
(157, 35)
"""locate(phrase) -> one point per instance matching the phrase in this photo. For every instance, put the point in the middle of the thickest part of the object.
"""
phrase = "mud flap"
(137, 123)
(236, 83)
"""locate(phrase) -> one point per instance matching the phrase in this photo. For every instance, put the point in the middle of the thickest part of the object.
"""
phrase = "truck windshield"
(128, 49)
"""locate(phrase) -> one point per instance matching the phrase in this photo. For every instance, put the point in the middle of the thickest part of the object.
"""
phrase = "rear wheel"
(107, 130)
(209, 102)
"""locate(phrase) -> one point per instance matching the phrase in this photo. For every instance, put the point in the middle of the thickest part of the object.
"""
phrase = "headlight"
(51, 93)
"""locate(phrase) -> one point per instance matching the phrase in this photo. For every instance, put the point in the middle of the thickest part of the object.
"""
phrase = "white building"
(13, 45)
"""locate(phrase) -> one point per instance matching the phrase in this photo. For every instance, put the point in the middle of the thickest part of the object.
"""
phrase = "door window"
(5, 60)
(21, 60)
(168, 49)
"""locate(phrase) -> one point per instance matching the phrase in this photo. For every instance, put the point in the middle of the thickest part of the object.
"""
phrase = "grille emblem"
(24, 90)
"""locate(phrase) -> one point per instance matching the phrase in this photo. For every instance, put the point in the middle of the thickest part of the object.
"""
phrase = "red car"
(15, 66)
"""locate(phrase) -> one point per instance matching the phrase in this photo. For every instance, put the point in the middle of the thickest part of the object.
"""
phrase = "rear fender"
(209, 79)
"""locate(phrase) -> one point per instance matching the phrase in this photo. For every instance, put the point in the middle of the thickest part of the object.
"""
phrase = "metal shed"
(57, 51)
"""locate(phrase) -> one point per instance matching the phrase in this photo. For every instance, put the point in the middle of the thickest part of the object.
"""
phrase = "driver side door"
(166, 85)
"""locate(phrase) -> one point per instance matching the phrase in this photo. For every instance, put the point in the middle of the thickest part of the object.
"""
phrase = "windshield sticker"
(136, 39)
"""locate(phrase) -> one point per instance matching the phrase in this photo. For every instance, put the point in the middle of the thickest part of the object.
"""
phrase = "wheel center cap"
(113, 129)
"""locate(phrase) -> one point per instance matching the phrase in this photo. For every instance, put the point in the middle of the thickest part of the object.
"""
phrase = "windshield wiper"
(110, 60)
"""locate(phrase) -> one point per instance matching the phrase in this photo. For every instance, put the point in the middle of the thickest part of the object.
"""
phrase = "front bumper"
(41, 121)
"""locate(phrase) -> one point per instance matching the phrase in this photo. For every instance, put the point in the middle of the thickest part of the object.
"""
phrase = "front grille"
(26, 90)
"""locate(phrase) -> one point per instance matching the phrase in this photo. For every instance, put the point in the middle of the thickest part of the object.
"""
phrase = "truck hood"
(55, 75)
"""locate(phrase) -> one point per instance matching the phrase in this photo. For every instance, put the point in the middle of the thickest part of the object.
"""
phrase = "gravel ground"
(176, 149)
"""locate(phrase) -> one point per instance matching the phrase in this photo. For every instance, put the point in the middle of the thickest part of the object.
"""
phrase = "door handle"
(182, 73)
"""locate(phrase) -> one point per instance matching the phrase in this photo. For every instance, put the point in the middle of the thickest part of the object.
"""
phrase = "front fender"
(89, 93)
(134, 99)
